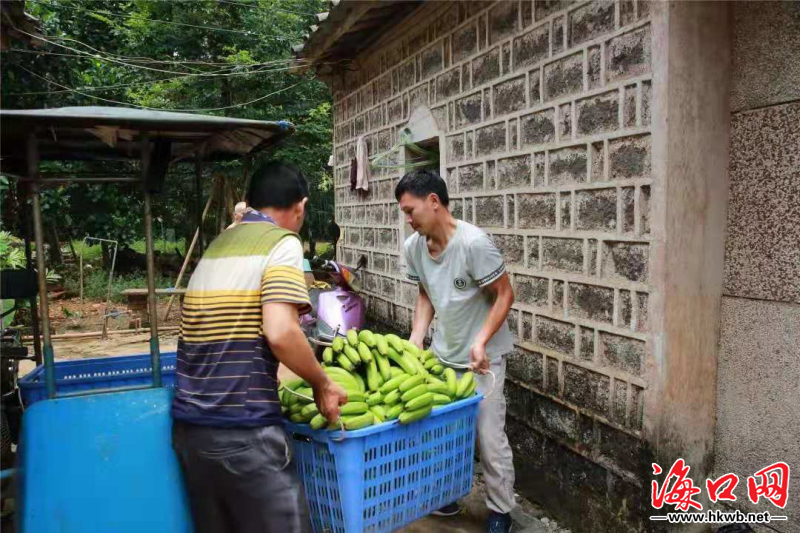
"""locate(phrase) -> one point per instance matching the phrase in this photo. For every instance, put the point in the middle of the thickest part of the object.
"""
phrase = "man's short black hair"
(276, 184)
(421, 183)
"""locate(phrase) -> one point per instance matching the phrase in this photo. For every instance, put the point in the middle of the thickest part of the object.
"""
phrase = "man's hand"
(477, 356)
(328, 397)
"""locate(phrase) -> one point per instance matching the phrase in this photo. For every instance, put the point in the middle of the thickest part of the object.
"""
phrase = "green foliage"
(92, 253)
(11, 255)
(95, 285)
(160, 245)
(137, 61)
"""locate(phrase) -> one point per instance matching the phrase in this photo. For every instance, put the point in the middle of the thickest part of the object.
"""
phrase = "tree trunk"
(220, 198)
(312, 245)
(75, 258)
(106, 253)
(54, 245)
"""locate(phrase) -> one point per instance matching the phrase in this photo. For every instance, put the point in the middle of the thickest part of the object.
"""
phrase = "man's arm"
(423, 315)
(503, 298)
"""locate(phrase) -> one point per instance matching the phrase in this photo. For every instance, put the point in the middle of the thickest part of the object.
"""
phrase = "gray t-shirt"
(454, 282)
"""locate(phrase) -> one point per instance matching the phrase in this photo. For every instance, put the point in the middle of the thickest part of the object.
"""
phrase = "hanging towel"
(353, 173)
(362, 160)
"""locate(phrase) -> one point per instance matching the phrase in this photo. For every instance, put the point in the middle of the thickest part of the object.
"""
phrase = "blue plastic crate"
(383, 477)
(97, 373)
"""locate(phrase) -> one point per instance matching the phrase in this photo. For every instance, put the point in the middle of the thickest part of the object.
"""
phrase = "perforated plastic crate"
(97, 373)
(383, 477)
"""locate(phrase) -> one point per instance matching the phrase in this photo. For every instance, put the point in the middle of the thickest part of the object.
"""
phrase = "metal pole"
(108, 291)
(152, 303)
(26, 222)
(198, 174)
(49, 359)
(83, 247)
(83, 180)
(246, 172)
(155, 353)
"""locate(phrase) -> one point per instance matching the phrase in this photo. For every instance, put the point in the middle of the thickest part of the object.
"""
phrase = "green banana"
(410, 347)
(471, 389)
(317, 422)
(352, 354)
(359, 421)
(410, 383)
(463, 384)
(393, 383)
(367, 337)
(438, 387)
(373, 377)
(451, 380)
(403, 361)
(341, 376)
(382, 345)
(352, 338)
(392, 398)
(441, 399)
(419, 390)
(356, 396)
(419, 402)
(338, 344)
(310, 410)
(395, 342)
(361, 385)
(378, 410)
(383, 365)
(394, 411)
(354, 408)
(406, 417)
(364, 353)
(374, 399)
(344, 362)
(293, 383)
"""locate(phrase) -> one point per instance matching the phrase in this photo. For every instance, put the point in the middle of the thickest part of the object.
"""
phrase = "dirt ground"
(72, 316)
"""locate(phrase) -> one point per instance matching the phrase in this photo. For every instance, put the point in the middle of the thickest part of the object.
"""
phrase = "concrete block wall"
(758, 421)
(545, 113)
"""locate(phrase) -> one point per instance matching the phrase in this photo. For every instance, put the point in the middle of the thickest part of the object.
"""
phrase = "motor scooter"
(338, 309)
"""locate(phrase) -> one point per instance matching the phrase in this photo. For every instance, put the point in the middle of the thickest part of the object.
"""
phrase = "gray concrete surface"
(528, 517)
(765, 66)
(758, 394)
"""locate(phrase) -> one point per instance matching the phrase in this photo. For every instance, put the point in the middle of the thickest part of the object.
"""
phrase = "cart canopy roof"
(115, 133)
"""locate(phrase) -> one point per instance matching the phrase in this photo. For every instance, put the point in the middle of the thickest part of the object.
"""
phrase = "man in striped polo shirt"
(240, 319)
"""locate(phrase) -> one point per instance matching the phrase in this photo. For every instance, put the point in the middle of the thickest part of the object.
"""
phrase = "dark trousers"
(241, 480)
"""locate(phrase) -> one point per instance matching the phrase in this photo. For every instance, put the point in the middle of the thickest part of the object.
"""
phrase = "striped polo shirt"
(226, 373)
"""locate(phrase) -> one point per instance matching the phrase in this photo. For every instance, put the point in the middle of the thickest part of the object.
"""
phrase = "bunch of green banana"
(386, 378)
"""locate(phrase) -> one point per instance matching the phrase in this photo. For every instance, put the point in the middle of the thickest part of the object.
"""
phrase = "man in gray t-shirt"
(463, 281)
(458, 283)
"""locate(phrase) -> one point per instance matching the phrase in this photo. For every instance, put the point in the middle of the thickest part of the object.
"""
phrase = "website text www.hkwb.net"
(719, 517)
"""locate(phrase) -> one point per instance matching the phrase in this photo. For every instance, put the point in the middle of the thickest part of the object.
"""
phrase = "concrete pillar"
(691, 122)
